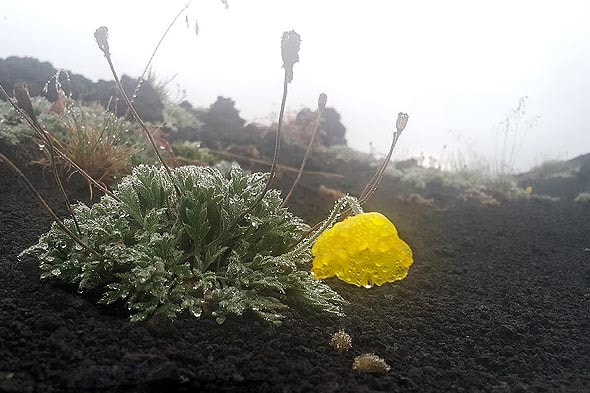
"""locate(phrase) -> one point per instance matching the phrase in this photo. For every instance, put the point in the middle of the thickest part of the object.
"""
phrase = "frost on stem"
(102, 39)
(290, 45)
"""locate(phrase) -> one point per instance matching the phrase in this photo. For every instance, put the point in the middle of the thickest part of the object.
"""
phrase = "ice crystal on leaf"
(164, 252)
(362, 250)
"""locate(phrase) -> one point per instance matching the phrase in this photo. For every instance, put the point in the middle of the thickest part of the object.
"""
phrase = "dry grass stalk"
(44, 204)
(101, 35)
(25, 108)
(97, 149)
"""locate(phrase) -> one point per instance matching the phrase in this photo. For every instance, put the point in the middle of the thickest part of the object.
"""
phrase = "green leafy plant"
(94, 138)
(14, 130)
(159, 252)
(190, 239)
(193, 152)
(583, 197)
(553, 168)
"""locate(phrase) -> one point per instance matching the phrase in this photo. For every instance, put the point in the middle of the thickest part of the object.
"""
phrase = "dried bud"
(402, 120)
(21, 93)
(322, 101)
(341, 341)
(60, 105)
(290, 44)
(102, 39)
(370, 363)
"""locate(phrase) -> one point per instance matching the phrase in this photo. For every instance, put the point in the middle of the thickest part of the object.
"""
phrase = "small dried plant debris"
(417, 199)
(583, 197)
(370, 363)
(480, 196)
(341, 341)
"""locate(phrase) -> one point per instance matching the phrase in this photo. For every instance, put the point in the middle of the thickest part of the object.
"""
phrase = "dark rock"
(37, 75)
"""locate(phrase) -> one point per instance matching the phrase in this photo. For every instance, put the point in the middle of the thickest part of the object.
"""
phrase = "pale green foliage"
(504, 185)
(194, 151)
(99, 142)
(348, 155)
(176, 117)
(553, 168)
(583, 197)
(14, 130)
(166, 252)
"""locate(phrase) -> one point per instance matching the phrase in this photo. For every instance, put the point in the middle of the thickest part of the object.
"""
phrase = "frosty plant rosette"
(194, 239)
(162, 253)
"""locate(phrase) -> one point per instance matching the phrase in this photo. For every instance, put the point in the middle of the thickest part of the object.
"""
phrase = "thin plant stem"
(275, 158)
(279, 167)
(315, 232)
(57, 150)
(273, 169)
(372, 185)
(84, 174)
(44, 204)
(28, 114)
(136, 115)
(305, 157)
(151, 59)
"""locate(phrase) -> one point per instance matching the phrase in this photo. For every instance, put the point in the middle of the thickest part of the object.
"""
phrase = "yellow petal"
(362, 250)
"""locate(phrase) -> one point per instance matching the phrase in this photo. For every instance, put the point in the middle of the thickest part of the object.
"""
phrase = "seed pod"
(370, 363)
(23, 99)
(290, 44)
(341, 341)
(402, 120)
(102, 39)
(322, 101)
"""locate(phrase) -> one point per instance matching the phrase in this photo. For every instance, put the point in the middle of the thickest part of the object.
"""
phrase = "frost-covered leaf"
(166, 252)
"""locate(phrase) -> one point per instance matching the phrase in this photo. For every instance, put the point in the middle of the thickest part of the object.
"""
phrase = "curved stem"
(28, 114)
(273, 169)
(305, 157)
(275, 158)
(140, 122)
(149, 63)
(372, 185)
(321, 226)
(44, 204)
(57, 150)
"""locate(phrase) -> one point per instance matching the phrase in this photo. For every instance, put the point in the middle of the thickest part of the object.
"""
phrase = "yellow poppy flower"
(363, 250)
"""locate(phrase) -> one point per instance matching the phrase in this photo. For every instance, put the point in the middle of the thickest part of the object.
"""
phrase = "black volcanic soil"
(498, 300)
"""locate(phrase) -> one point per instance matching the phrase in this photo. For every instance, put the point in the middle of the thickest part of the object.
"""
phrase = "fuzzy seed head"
(370, 363)
(102, 39)
(290, 44)
(322, 101)
(341, 341)
(402, 121)
(21, 93)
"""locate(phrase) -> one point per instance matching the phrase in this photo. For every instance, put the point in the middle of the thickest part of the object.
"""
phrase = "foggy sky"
(457, 67)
